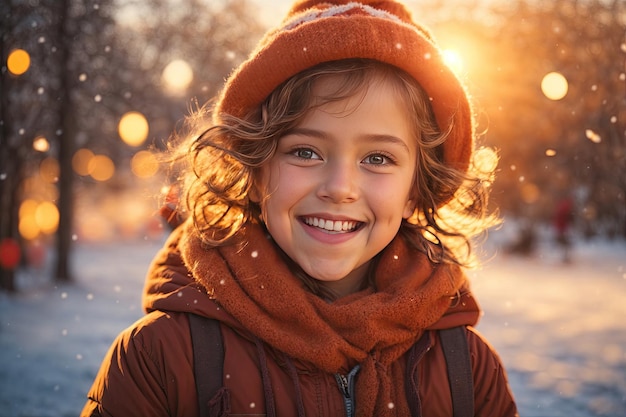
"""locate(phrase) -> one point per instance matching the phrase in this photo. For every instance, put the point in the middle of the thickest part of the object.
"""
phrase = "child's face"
(338, 186)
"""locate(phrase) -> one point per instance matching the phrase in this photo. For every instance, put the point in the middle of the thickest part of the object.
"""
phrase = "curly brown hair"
(221, 156)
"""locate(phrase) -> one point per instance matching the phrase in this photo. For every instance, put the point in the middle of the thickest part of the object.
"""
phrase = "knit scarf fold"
(254, 285)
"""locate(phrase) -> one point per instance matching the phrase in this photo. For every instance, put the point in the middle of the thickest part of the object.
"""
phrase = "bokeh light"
(593, 136)
(41, 144)
(37, 217)
(28, 227)
(133, 128)
(10, 253)
(47, 217)
(177, 76)
(144, 164)
(530, 193)
(554, 86)
(101, 168)
(49, 170)
(18, 62)
(80, 161)
(27, 208)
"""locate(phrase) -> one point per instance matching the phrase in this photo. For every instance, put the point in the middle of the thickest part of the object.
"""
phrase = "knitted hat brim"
(285, 52)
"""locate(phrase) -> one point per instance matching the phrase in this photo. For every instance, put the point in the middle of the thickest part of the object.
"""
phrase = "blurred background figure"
(563, 218)
(525, 241)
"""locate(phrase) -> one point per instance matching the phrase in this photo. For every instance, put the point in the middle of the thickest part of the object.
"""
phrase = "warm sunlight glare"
(485, 159)
(133, 128)
(18, 62)
(144, 164)
(453, 60)
(177, 76)
(554, 86)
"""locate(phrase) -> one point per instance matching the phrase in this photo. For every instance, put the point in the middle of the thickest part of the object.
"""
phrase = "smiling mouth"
(332, 226)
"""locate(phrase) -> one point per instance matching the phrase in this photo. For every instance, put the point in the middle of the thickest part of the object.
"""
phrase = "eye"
(378, 159)
(305, 153)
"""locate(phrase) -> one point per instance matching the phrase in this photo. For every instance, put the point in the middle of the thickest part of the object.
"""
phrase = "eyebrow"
(368, 137)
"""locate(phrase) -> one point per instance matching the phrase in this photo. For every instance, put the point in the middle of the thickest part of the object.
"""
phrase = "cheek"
(286, 181)
(396, 204)
(400, 189)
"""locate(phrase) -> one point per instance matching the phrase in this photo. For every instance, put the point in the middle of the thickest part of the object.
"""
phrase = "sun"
(453, 60)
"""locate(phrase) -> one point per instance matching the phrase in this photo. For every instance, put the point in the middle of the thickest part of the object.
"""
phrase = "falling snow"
(558, 327)
(593, 136)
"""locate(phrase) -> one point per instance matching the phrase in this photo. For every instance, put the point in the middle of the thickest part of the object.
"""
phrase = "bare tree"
(575, 145)
(87, 71)
(23, 110)
(211, 36)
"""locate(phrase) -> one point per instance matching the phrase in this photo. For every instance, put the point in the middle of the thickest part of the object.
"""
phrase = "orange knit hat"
(320, 31)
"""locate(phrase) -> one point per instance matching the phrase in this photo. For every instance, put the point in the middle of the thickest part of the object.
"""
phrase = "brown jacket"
(289, 367)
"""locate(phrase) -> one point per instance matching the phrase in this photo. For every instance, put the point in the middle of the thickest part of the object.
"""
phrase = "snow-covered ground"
(559, 328)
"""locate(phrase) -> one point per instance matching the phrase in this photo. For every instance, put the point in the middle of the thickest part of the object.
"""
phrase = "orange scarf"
(254, 285)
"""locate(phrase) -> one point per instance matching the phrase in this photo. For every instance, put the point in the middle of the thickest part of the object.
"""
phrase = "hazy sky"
(273, 11)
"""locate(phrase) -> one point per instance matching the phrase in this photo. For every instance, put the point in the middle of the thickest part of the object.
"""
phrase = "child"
(329, 197)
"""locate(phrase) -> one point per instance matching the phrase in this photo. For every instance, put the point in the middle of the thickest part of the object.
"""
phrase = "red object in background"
(563, 216)
(10, 253)
(169, 212)
(35, 254)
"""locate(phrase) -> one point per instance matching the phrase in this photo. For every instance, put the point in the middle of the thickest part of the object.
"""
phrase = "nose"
(339, 182)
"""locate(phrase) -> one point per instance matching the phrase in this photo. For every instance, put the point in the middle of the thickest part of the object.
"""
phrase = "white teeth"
(330, 225)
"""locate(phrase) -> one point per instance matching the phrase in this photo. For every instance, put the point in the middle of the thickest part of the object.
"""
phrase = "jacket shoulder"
(148, 370)
(492, 393)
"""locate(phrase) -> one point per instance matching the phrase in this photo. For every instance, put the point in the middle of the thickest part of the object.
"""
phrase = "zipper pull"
(346, 386)
(342, 381)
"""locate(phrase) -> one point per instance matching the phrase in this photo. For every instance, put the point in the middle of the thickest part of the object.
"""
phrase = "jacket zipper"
(346, 386)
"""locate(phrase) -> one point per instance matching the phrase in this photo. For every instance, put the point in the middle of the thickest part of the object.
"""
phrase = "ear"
(258, 191)
(254, 194)
(409, 209)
